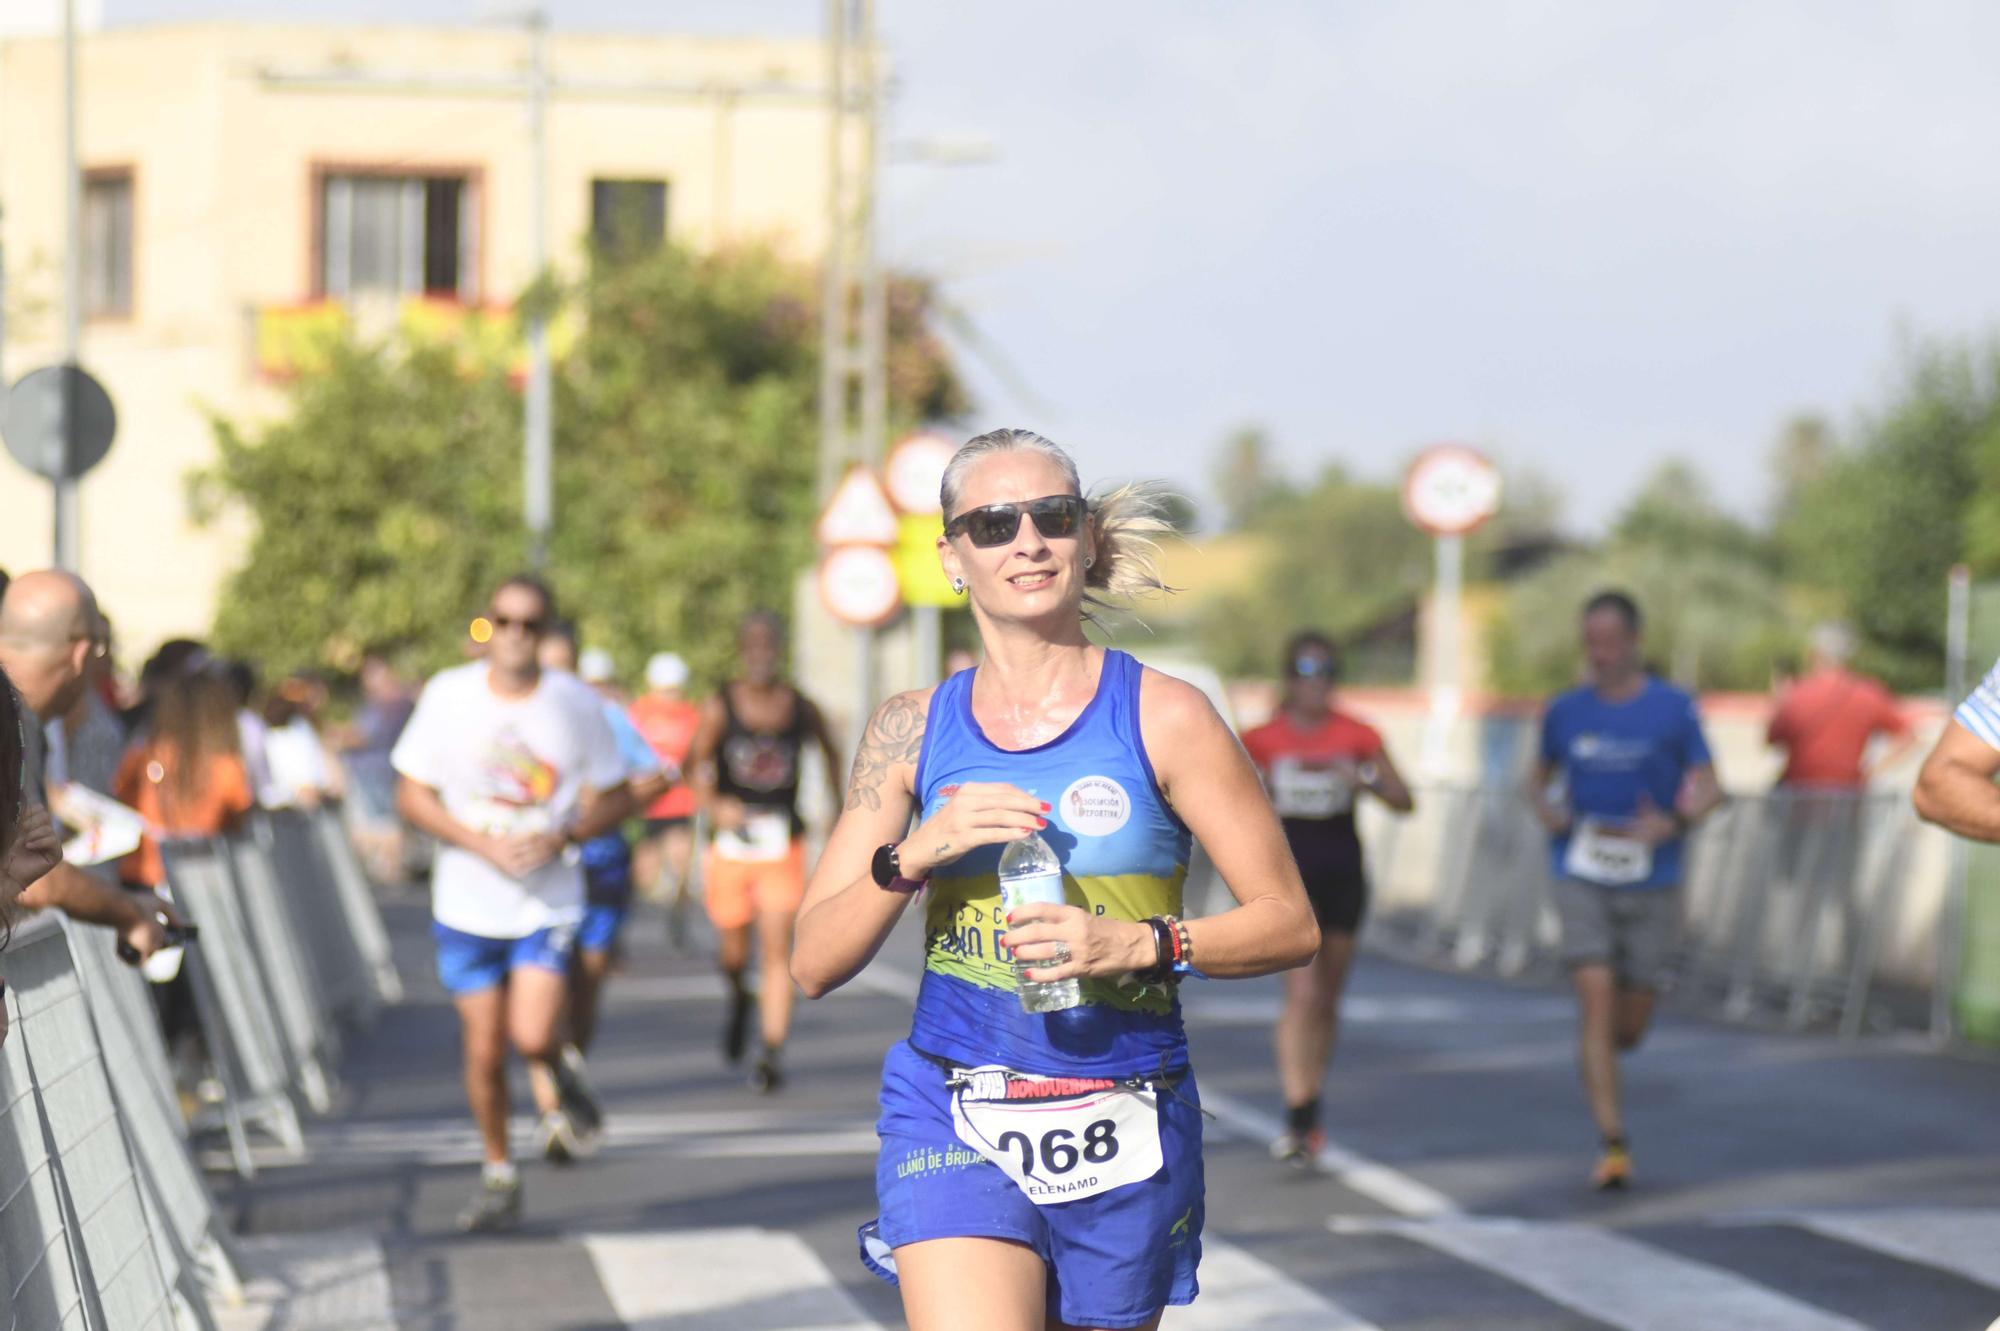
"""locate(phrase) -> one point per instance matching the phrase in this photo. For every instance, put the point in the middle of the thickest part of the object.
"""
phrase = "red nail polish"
(1047, 807)
(1041, 822)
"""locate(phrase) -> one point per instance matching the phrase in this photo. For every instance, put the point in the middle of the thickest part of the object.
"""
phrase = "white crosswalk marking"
(1965, 1242)
(746, 1279)
(1241, 1293)
(1615, 1279)
(1391, 1187)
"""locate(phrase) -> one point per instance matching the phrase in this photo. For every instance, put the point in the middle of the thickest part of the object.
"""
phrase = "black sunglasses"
(1056, 517)
(532, 627)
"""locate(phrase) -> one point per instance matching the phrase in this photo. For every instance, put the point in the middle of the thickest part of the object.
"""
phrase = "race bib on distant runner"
(1303, 790)
(1059, 1138)
(766, 835)
(1598, 856)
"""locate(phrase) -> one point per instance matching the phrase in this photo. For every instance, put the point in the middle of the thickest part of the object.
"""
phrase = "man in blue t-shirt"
(1622, 775)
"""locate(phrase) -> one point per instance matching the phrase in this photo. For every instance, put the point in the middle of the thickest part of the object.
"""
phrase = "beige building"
(245, 182)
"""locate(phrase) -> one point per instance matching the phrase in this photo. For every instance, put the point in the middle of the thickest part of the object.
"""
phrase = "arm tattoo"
(896, 735)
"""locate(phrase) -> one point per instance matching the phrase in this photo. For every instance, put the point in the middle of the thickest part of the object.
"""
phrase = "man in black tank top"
(745, 766)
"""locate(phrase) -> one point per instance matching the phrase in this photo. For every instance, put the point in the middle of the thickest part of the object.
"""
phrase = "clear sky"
(1585, 235)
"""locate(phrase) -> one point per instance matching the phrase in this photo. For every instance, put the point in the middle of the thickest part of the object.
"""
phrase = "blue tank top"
(1124, 854)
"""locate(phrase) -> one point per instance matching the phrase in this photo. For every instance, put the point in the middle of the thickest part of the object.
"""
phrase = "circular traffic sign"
(916, 470)
(1451, 489)
(857, 584)
(32, 417)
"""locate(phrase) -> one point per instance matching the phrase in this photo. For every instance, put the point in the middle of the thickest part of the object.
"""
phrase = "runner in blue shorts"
(1042, 1169)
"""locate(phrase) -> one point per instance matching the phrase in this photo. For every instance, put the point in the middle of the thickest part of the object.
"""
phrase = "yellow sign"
(917, 568)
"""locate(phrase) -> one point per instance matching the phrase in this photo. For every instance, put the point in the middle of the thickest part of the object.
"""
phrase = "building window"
(400, 235)
(628, 218)
(107, 244)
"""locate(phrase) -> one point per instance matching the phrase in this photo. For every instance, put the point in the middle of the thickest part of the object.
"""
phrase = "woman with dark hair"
(1317, 762)
(1041, 1161)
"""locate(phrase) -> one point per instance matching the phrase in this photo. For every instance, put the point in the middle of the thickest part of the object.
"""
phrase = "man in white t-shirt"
(510, 768)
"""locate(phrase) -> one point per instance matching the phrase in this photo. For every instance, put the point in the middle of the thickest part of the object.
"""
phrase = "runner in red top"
(668, 721)
(1316, 761)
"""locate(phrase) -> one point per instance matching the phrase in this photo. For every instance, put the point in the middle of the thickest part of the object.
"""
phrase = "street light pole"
(68, 512)
(537, 488)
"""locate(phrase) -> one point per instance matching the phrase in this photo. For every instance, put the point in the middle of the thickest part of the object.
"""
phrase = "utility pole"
(538, 453)
(854, 379)
(68, 512)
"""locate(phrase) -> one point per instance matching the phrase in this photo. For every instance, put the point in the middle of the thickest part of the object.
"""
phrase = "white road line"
(745, 1279)
(1964, 1242)
(1615, 1279)
(1224, 1009)
(310, 1280)
(1379, 1182)
(1241, 1293)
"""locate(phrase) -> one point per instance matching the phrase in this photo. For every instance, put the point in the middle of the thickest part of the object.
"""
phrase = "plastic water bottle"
(1030, 872)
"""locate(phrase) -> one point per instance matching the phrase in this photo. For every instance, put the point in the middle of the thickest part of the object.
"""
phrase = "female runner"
(1042, 1171)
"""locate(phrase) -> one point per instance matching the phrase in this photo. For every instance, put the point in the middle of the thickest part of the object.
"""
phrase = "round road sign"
(857, 584)
(916, 469)
(1451, 489)
(32, 414)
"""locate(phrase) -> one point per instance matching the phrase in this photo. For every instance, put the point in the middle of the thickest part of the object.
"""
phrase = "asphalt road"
(1784, 1182)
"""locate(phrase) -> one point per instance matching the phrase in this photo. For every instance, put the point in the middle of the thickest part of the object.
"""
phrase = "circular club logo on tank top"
(1095, 806)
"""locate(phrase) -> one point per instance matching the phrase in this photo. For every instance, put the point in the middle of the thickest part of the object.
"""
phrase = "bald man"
(48, 622)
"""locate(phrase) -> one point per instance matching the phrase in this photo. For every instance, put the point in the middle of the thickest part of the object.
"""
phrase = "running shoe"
(736, 1027)
(575, 1094)
(1300, 1150)
(1614, 1168)
(767, 1076)
(496, 1206)
(558, 1136)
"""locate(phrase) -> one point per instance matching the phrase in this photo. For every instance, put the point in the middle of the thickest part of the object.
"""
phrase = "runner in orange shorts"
(745, 763)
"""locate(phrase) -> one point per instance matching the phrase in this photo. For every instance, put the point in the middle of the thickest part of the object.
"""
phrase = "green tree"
(1717, 614)
(388, 502)
(1247, 481)
(1344, 559)
(1882, 523)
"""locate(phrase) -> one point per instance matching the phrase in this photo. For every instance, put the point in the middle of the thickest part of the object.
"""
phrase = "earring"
(1088, 560)
(958, 585)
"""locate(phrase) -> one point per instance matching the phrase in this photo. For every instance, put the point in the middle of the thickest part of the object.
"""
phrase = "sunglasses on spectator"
(1312, 667)
(1056, 518)
(532, 627)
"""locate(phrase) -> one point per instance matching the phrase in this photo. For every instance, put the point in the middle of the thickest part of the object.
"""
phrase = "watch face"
(884, 867)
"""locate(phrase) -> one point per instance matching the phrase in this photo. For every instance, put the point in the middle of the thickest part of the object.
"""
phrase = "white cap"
(666, 671)
(595, 666)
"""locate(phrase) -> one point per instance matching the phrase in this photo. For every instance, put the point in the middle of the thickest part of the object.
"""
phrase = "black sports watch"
(887, 870)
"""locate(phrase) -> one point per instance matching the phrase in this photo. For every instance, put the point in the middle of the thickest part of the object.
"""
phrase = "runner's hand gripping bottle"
(1030, 872)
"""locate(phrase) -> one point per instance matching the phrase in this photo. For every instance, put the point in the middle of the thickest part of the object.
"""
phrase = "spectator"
(47, 619)
(300, 774)
(365, 746)
(29, 846)
(91, 738)
(1824, 721)
(186, 776)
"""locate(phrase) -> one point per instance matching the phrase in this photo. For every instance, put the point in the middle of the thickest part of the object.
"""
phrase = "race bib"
(1303, 790)
(1059, 1138)
(766, 835)
(1598, 856)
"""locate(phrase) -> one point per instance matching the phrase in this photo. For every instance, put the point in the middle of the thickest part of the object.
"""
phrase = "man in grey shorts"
(1623, 773)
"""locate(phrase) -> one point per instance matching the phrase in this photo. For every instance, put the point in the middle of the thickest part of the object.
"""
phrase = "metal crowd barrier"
(106, 1222)
(1790, 896)
(76, 1242)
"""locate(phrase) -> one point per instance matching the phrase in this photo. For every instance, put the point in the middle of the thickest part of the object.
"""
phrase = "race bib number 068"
(1063, 1145)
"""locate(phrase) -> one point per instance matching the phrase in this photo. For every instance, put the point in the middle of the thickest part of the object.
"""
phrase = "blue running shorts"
(468, 963)
(1114, 1259)
(602, 923)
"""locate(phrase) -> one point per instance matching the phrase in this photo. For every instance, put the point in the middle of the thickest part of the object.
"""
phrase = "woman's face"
(1031, 577)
